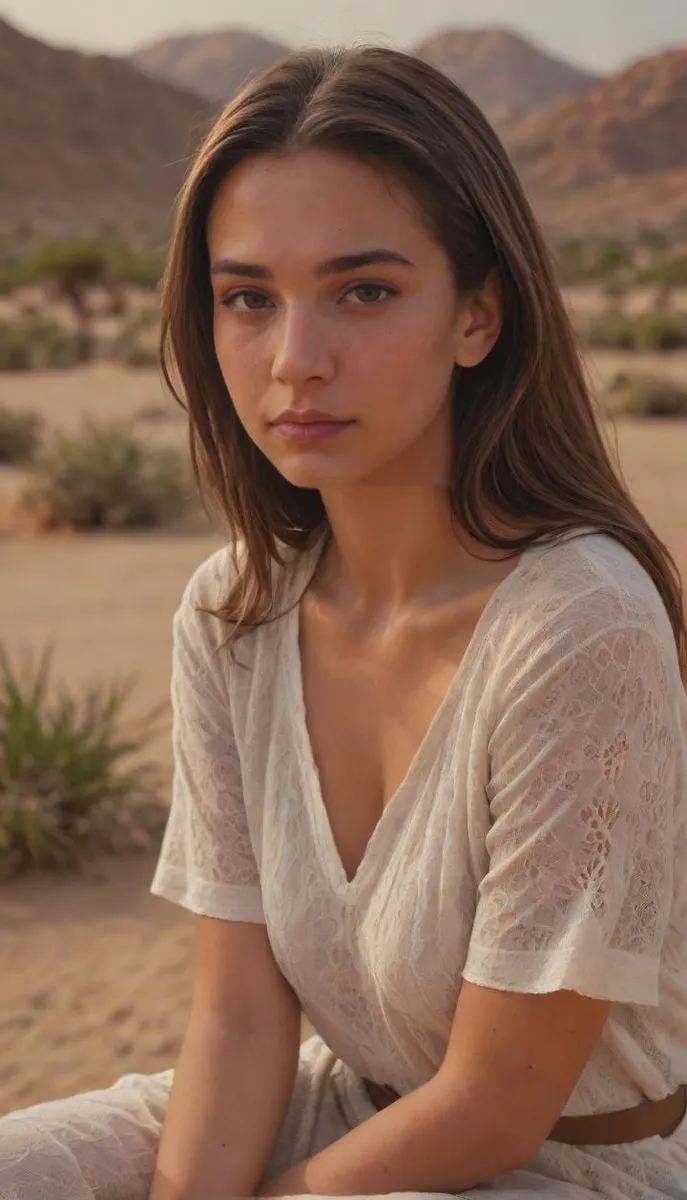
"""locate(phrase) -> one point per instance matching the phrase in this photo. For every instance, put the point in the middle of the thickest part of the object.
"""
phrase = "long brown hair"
(528, 453)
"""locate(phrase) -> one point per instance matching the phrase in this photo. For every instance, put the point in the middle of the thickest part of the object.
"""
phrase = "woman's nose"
(302, 349)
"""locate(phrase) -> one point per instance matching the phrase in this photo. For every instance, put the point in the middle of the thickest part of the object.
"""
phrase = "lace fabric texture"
(538, 842)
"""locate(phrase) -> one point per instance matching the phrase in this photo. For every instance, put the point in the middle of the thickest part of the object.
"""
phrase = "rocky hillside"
(617, 148)
(505, 74)
(632, 123)
(213, 64)
(88, 140)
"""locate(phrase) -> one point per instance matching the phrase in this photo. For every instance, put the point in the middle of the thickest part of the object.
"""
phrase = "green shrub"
(14, 273)
(653, 240)
(617, 290)
(612, 331)
(650, 396)
(19, 435)
(81, 260)
(16, 347)
(136, 343)
(668, 273)
(661, 331)
(649, 333)
(67, 786)
(609, 256)
(141, 268)
(34, 343)
(104, 478)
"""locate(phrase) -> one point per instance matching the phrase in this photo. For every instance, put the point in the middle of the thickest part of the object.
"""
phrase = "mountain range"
(506, 75)
(92, 140)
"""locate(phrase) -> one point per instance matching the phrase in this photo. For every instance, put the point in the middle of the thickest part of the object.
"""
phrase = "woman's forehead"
(316, 206)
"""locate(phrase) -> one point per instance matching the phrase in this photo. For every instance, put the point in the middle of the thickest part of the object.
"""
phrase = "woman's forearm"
(232, 1085)
(425, 1142)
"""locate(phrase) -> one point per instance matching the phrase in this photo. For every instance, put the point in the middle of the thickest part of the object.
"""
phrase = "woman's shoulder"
(595, 565)
(208, 588)
(578, 589)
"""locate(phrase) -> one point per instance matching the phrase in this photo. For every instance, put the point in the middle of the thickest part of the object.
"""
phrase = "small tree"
(611, 258)
(19, 435)
(74, 267)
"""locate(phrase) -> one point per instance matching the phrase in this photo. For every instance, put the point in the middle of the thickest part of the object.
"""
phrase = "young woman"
(430, 728)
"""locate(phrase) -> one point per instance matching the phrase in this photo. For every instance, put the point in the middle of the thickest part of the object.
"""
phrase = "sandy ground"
(96, 973)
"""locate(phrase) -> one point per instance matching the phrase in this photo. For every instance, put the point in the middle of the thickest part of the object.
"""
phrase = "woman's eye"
(246, 300)
(369, 293)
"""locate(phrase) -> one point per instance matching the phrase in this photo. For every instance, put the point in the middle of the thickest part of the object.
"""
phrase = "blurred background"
(100, 108)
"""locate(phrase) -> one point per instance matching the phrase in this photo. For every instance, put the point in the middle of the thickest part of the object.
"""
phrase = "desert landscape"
(96, 973)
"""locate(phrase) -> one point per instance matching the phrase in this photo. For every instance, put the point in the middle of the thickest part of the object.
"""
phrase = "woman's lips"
(310, 431)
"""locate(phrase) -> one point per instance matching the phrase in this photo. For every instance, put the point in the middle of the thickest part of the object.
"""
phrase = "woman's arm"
(235, 1072)
(510, 1067)
(574, 905)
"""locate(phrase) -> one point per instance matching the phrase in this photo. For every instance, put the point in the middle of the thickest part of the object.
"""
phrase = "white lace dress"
(538, 842)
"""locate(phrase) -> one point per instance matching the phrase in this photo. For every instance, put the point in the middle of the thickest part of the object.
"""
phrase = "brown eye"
(252, 301)
(369, 293)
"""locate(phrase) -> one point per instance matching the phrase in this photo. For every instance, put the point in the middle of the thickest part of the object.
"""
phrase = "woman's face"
(335, 306)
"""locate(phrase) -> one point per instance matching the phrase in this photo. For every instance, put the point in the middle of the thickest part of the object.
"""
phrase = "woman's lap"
(102, 1145)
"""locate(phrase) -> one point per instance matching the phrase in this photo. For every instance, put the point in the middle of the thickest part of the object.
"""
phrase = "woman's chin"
(317, 476)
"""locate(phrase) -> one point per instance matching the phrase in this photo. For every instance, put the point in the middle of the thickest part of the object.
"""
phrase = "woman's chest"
(369, 707)
(398, 927)
(396, 935)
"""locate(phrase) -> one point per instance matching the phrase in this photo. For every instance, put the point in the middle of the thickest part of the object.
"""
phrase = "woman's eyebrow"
(333, 266)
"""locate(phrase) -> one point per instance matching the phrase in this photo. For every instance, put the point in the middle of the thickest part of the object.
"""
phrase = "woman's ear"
(479, 322)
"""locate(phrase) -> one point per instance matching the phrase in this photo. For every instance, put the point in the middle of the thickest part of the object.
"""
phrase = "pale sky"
(600, 34)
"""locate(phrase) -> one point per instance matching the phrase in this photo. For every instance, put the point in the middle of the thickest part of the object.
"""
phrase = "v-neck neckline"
(398, 802)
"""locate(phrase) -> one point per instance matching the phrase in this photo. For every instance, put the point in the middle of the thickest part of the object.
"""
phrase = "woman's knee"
(99, 1144)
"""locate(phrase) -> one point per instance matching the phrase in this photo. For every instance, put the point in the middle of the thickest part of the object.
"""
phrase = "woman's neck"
(395, 547)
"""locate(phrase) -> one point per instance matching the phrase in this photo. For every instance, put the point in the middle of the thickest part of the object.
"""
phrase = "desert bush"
(140, 268)
(136, 343)
(609, 256)
(661, 331)
(655, 241)
(649, 396)
(135, 353)
(648, 333)
(612, 331)
(14, 273)
(616, 292)
(80, 260)
(97, 261)
(19, 435)
(667, 273)
(34, 342)
(104, 478)
(72, 779)
(154, 412)
(16, 348)
(586, 260)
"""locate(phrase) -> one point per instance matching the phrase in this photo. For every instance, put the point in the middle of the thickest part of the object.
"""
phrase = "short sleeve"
(206, 862)
(580, 848)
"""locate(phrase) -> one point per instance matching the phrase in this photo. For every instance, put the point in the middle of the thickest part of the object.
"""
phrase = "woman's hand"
(287, 1184)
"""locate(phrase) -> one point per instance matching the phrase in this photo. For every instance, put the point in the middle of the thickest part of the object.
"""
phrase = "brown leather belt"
(654, 1118)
